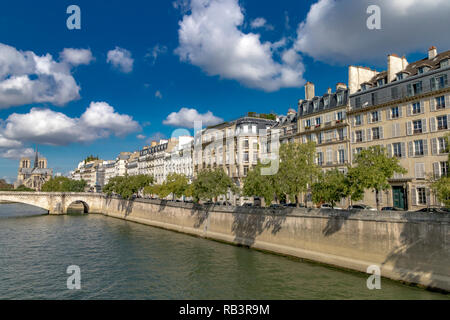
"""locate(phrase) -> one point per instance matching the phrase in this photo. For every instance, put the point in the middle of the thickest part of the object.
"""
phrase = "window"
(442, 123)
(340, 98)
(245, 170)
(397, 149)
(444, 168)
(245, 144)
(315, 104)
(375, 133)
(255, 156)
(340, 116)
(375, 116)
(423, 70)
(440, 102)
(320, 158)
(319, 138)
(400, 76)
(417, 126)
(438, 82)
(359, 137)
(326, 101)
(358, 102)
(395, 113)
(246, 156)
(341, 156)
(414, 89)
(358, 120)
(380, 82)
(358, 150)
(442, 143)
(421, 196)
(416, 108)
(374, 98)
(341, 135)
(308, 123)
(418, 148)
(318, 121)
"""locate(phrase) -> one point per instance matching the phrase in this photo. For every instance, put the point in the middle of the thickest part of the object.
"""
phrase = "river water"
(125, 260)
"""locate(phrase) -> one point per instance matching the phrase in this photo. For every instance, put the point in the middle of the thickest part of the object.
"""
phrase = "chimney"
(154, 143)
(395, 65)
(341, 86)
(432, 52)
(329, 91)
(309, 91)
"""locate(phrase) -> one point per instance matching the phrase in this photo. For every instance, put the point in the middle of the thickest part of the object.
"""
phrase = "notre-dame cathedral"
(33, 177)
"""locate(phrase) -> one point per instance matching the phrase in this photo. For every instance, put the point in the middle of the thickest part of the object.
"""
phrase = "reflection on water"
(124, 260)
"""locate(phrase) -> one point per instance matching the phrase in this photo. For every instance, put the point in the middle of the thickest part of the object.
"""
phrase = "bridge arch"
(76, 206)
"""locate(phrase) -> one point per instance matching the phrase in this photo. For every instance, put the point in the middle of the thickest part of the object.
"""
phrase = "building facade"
(406, 110)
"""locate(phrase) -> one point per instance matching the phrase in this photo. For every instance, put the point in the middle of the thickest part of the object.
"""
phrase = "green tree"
(177, 184)
(265, 186)
(441, 188)
(374, 168)
(210, 184)
(298, 169)
(63, 184)
(90, 158)
(5, 186)
(127, 186)
(23, 188)
(330, 188)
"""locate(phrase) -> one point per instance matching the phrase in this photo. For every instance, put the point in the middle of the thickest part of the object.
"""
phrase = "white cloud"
(45, 126)
(259, 23)
(16, 153)
(210, 38)
(186, 117)
(336, 30)
(140, 136)
(76, 57)
(158, 94)
(28, 78)
(120, 58)
(155, 52)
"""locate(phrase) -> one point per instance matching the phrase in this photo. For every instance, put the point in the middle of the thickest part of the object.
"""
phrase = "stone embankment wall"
(410, 247)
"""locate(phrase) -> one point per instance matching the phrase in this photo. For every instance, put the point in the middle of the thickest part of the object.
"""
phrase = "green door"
(399, 197)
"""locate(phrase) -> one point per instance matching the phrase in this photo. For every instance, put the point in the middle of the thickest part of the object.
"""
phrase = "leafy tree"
(90, 158)
(297, 168)
(127, 186)
(374, 168)
(330, 188)
(64, 184)
(177, 184)
(5, 186)
(265, 186)
(23, 188)
(441, 189)
(210, 184)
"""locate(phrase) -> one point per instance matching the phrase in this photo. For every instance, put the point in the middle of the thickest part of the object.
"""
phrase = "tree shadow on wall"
(424, 249)
(249, 225)
(123, 206)
(336, 219)
(201, 213)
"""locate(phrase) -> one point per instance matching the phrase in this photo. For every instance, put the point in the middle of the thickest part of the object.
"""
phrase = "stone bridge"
(56, 202)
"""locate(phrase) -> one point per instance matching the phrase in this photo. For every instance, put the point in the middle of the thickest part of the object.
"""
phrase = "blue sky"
(197, 75)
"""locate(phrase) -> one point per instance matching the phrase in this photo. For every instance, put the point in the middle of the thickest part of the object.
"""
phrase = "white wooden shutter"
(380, 116)
(400, 111)
(344, 131)
(408, 109)
(369, 118)
(353, 137)
(434, 146)
(409, 128)
(422, 107)
(447, 101)
(437, 170)
(425, 147)
(403, 149)
(394, 130)
(448, 121)
(413, 196)
(363, 138)
(432, 124)
(381, 133)
(389, 150)
(424, 125)
(369, 134)
(433, 104)
(388, 114)
(410, 149)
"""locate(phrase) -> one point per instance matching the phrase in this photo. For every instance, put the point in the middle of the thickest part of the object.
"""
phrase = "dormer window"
(445, 63)
(315, 104)
(400, 76)
(340, 98)
(380, 82)
(364, 87)
(422, 70)
(326, 101)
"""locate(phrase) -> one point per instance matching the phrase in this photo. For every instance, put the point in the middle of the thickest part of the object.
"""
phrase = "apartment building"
(179, 160)
(323, 119)
(405, 109)
(151, 159)
(233, 146)
(132, 164)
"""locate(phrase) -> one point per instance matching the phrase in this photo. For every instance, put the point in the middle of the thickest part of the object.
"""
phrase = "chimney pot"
(432, 52)
(309, 91)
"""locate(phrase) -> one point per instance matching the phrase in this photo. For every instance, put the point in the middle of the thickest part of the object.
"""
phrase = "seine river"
(124, 260)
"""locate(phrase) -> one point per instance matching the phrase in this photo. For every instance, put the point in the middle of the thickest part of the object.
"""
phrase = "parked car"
(276, 206)
(434, 210)
(328, 206)
(361, 207)
(289, 205)
(391, 209)
(247, 205)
